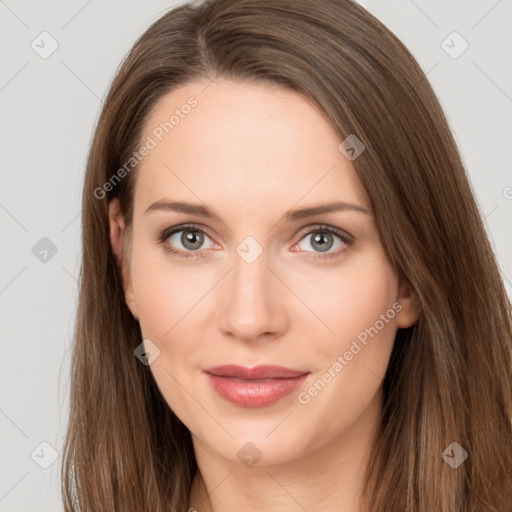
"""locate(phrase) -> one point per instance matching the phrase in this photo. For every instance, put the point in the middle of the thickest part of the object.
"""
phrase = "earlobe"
(410, 305)
(117, 235)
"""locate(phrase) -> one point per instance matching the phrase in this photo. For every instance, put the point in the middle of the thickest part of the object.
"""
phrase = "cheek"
(165, 291)
(166, 294)
(356, 303)
(352, 297)
(350, 364)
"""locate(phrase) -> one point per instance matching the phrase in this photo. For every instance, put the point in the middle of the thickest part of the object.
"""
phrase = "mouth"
(254, 387)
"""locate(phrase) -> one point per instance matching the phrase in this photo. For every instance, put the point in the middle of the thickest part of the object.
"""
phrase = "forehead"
(244, 146)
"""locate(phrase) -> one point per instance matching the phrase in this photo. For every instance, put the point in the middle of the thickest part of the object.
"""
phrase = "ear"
(410, 305)
(117, 240)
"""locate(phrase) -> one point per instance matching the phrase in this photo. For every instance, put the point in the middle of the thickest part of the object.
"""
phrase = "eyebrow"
(291, 215)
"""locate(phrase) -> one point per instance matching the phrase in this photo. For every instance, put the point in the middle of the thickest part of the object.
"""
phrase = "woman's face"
(257, 284)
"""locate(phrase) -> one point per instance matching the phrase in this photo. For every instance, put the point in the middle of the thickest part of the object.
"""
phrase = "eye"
(190, 238)
(323, 238)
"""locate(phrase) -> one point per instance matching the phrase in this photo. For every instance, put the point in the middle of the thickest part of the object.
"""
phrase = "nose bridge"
(250, 278)
(250, 284)
(252, 305)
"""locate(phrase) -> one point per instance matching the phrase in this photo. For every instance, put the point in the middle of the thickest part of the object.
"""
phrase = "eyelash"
(347, 239)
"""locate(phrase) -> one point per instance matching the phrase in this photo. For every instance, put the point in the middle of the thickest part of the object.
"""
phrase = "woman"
(288, 298)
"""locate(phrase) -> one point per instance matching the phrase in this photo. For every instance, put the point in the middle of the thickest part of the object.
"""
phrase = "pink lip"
(254, 387)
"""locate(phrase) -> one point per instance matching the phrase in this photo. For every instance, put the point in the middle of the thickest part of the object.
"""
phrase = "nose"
(252, 301)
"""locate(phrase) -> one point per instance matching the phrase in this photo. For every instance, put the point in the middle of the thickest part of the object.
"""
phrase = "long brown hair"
(450, 375)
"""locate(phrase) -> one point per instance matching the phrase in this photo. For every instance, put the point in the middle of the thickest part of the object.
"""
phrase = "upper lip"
(257, 372)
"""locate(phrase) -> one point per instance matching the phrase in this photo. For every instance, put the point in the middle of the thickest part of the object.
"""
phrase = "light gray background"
(49, 108)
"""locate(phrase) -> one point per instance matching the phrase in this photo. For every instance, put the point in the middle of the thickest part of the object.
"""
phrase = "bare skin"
(251, 153)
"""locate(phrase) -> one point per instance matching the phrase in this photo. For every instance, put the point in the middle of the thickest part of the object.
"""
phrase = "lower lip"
(254, 393)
